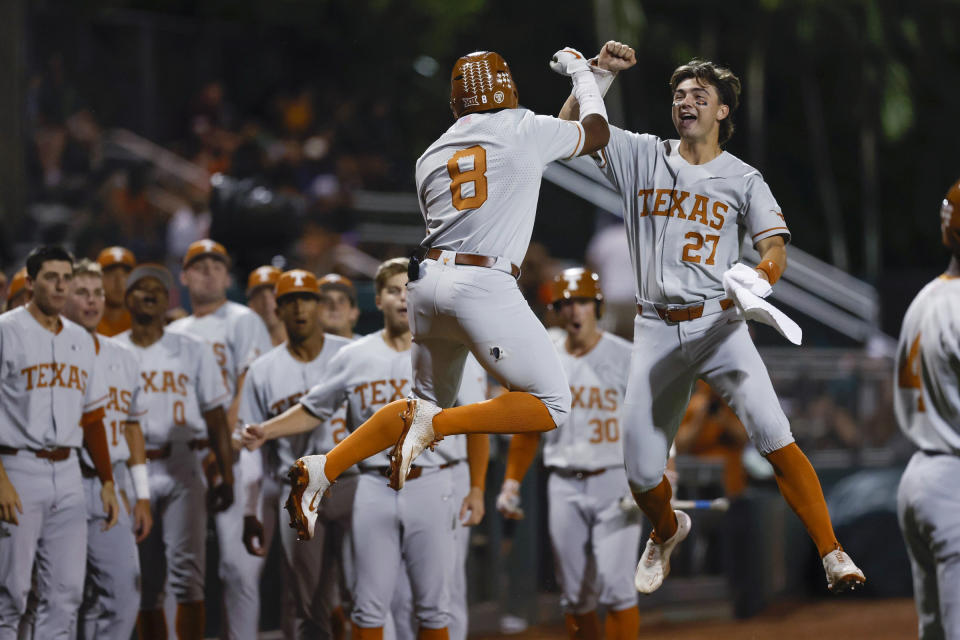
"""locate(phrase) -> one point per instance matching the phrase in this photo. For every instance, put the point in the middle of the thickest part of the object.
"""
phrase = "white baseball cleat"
(654, 564)
(308, 484)
(842, 573)
(416, 436)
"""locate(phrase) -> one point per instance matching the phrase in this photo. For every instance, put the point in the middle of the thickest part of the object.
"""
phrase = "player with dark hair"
(686, 205)
(927, 404)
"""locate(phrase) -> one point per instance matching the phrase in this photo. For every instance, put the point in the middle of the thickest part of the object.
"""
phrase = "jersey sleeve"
(762, 215)
(553, 138)
(251, 411)
(211, 389)
(138, 405)
(625, 158)
(327, 395)
(95, 395)
(250, 341)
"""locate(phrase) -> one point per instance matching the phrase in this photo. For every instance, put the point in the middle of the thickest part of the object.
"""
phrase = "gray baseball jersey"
(685, 222)
(48, 380)
(595, 543)
(117, 367)
(927, 404)
(275, 382)
(478, 184)
(180, 381)
(590, 438)
(237, 334)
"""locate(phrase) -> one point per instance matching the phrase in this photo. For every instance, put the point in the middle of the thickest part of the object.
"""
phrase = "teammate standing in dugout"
(927, 404)
(686, 205)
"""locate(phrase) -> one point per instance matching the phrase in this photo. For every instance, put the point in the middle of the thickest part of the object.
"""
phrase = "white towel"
(743, 285)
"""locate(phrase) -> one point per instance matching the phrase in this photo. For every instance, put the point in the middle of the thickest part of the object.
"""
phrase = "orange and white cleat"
(654, 565)
(842, 573)
(416, 436)
(308, 484)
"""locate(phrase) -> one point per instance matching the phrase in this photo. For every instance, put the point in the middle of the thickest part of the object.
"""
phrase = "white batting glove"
(740, 276)
(569, 61)
(508, 501)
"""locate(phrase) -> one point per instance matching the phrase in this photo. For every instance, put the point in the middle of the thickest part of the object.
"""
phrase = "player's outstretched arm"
(221, 496)
(592, 112)
(294, 420)
(613, 57)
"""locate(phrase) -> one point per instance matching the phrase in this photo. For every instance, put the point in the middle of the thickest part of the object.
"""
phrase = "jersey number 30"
(468, 177)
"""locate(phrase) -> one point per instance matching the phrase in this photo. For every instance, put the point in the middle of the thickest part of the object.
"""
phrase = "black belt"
(415, 471)
(579, 474)
(55, 454)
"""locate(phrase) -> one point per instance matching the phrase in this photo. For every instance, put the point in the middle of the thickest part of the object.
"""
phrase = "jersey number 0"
(468, 173)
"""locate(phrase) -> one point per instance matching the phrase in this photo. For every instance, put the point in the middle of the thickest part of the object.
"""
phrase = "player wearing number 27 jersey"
(478, 186)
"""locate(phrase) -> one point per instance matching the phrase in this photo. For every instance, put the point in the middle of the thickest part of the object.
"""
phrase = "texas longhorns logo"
(573, 280)
(117, 253)
(208, 245)
(263, 274)
(298, 276)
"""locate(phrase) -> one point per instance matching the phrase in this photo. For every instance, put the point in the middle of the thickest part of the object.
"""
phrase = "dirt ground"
(851, 619)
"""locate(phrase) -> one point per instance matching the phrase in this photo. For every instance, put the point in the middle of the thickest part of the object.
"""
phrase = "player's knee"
(644, 477)
(558, 404)
(577, 605)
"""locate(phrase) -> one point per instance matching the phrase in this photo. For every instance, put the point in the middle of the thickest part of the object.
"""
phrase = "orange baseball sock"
(338, 623)
(655, 503)
(151, 624)
(583, 626)
(367, 633)
(433, 634)
(800, 487)
(191, 620)
(513, 412)
(623, 624)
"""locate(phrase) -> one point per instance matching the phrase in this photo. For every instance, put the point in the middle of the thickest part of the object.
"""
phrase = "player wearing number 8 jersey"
(927, 404)
(478, 186)
(595, 542)
(687, 204)
(184, 396)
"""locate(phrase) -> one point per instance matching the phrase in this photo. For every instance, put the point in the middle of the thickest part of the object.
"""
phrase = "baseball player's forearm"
(95, 442)
(219, 433)
(570, 109)
(135, 441)
(523, 450)
(294, 420)
(478, 455)
(773, 258)
(234, 411)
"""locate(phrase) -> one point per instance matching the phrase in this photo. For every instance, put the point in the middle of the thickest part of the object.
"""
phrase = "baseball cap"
(204, 248)
(17, 283)
(265, 276)
(339, 283)
(150, 270)
(116, 256)
(297, 281)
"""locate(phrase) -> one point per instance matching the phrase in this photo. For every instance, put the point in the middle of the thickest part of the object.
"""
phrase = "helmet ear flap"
(599, 308)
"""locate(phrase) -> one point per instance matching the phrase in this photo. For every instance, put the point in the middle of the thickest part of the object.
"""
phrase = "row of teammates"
(113, 448)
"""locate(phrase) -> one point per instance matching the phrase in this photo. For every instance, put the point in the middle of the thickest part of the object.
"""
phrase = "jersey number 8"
(468, 173)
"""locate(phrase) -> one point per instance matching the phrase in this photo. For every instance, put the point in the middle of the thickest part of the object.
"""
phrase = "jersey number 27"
(468, 177)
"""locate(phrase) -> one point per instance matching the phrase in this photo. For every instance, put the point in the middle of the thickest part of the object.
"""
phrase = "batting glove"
(569, 61)
(508, 501)
(740, 276)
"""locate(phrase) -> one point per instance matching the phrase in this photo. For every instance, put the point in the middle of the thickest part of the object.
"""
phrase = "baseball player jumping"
(51, 403)
(238, 336)
(595, 541)
(478, 186)
(927, 404)
(185, 398)
(390, 533)
(112, 592)
(686, 206)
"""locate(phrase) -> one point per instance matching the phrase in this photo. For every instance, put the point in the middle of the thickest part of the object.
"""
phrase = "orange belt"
(473, 260)
(685, 313)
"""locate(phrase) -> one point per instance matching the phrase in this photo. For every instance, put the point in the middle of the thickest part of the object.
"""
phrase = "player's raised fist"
(568, 61)
(616, 56)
